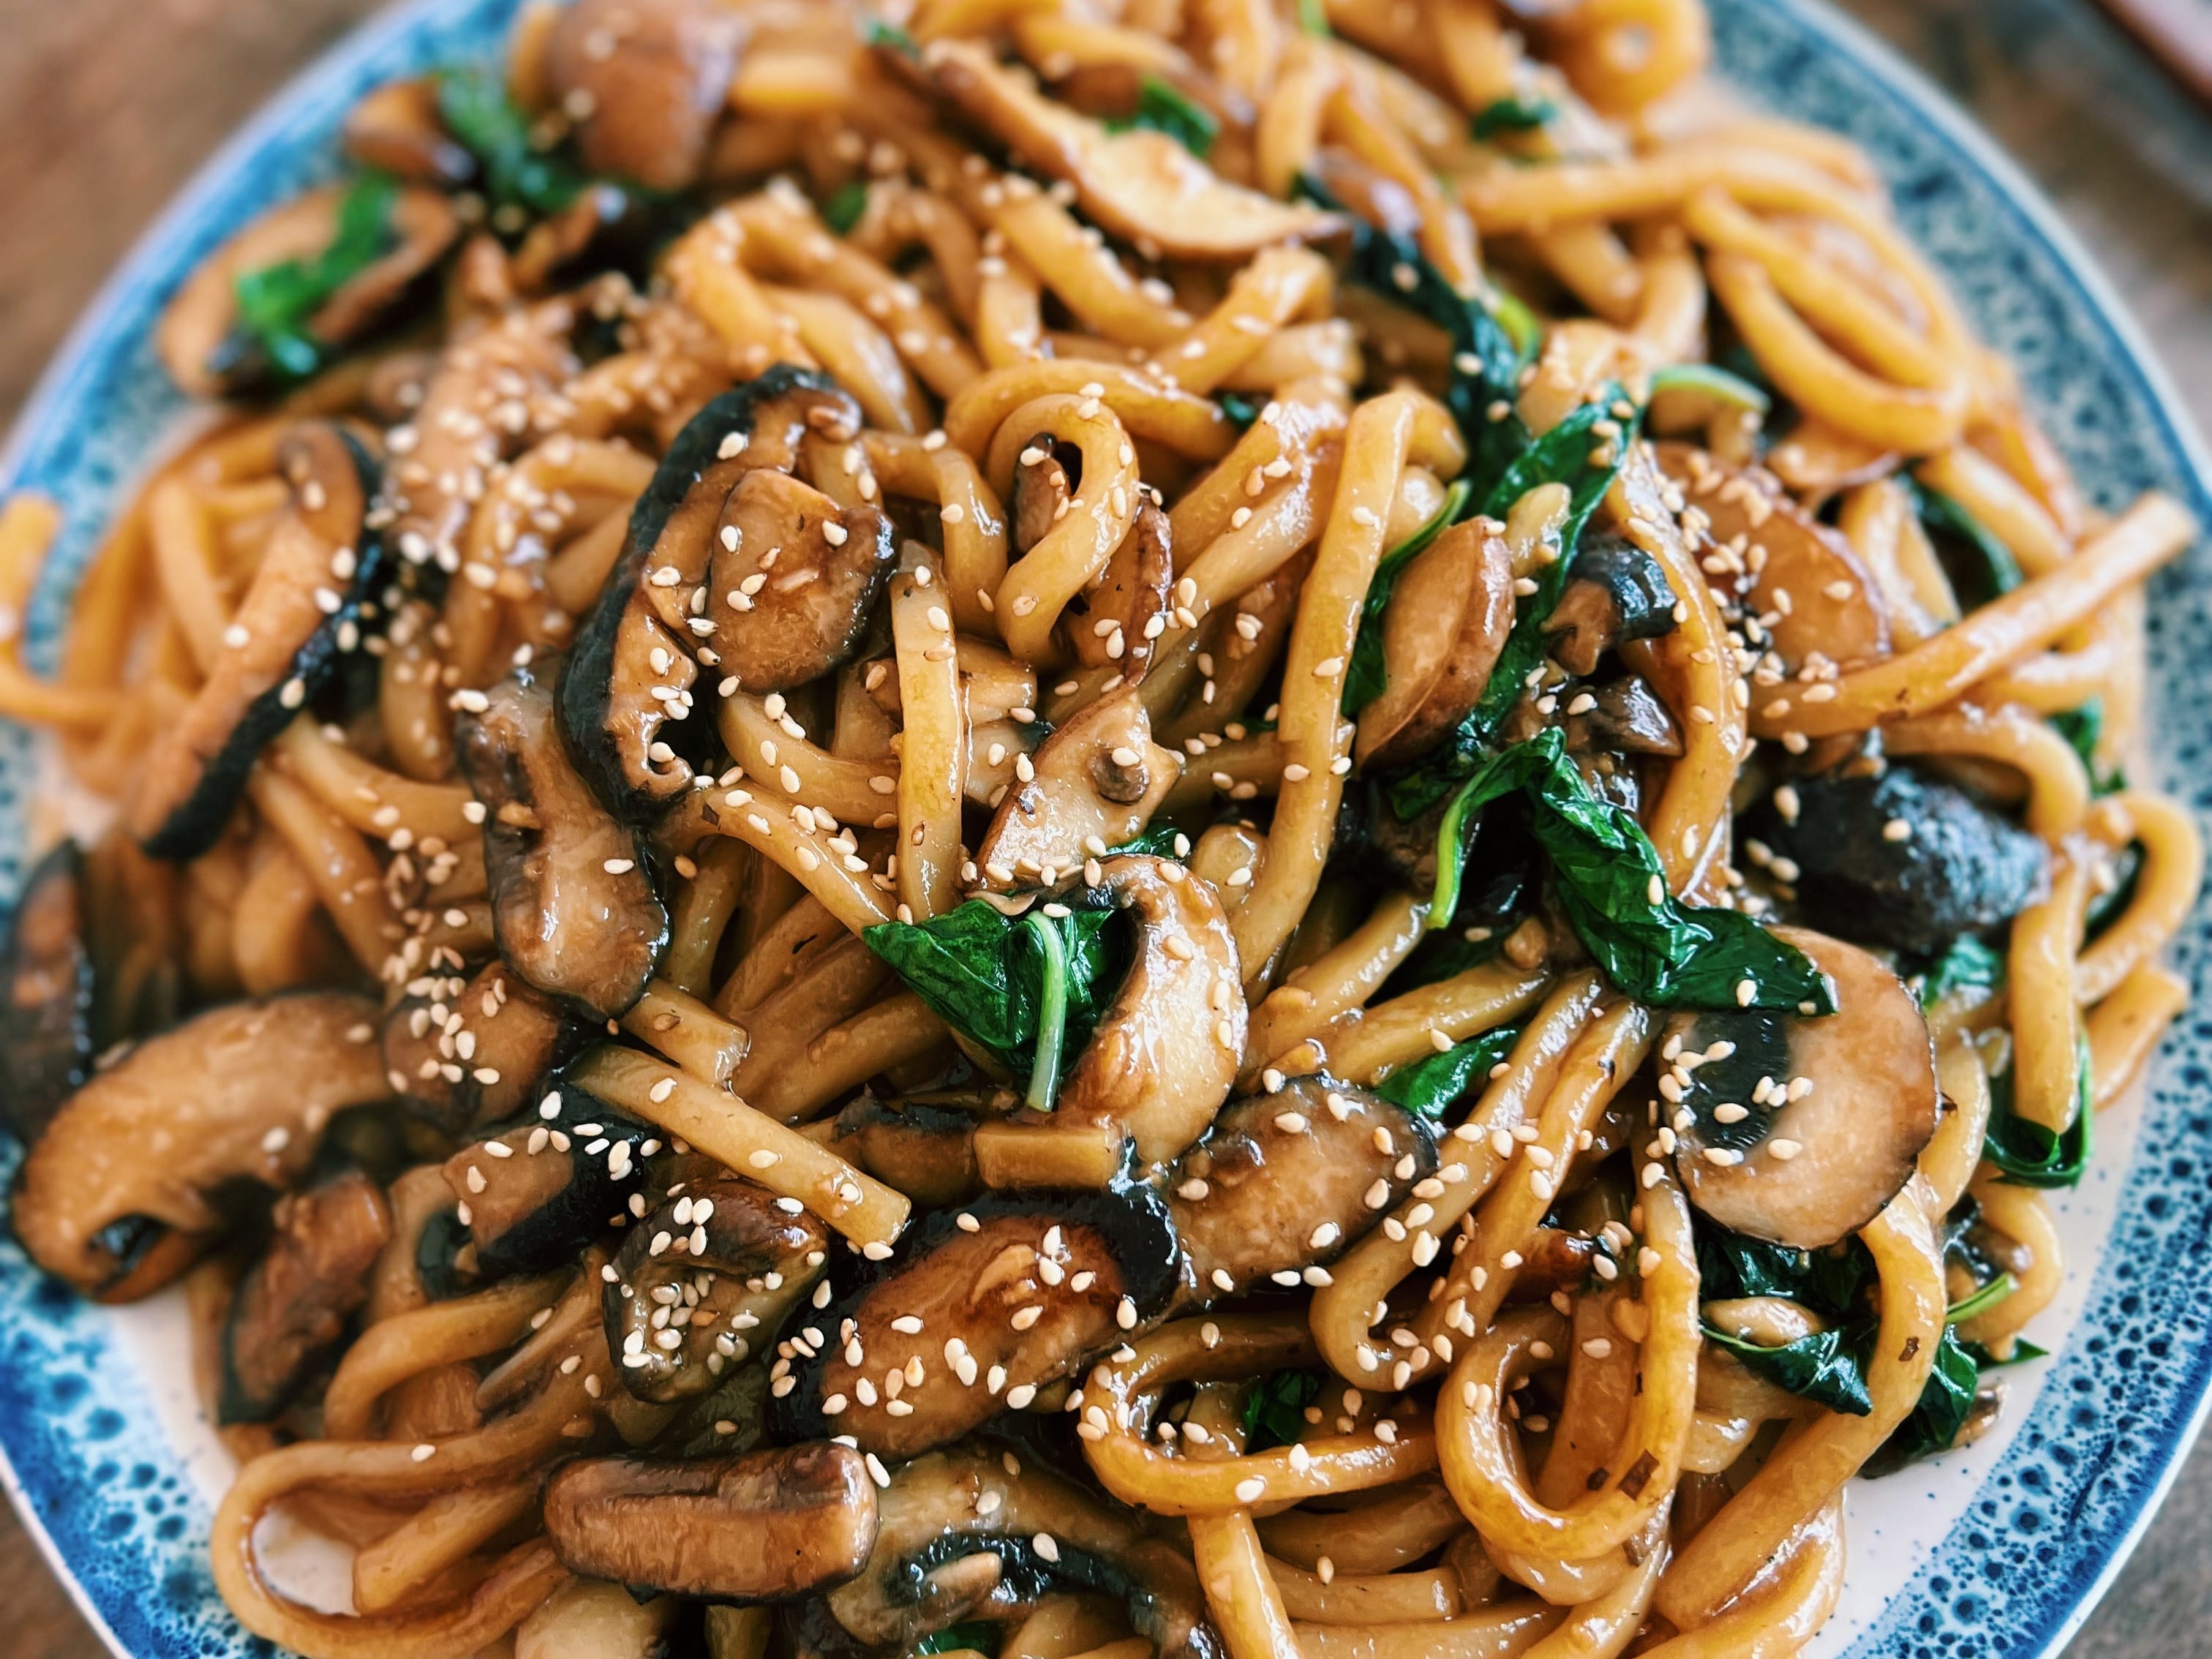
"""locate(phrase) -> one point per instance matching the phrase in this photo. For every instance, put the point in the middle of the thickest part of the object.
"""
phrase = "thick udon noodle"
(1674, 1503)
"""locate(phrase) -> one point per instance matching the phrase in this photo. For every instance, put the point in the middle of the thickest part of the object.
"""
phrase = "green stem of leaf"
(1052, 1012)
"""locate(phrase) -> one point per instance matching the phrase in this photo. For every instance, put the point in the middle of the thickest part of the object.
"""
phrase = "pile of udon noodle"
(1085, 829)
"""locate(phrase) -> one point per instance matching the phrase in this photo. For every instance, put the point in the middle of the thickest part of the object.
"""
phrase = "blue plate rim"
(2130, 350)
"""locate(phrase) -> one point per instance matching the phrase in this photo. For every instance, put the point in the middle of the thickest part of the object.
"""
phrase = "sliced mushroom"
(973, 1313)
(1801, 1130)
(532, 1195)
(1115, 621)
(1442, 631)
(479, 1054)
(45, 995)
(1044, 488)
(1623, 717)
(794, 582)
(1160, 1060)
(292, 1305)
(116, 1197)
(644, 81)
(573, 908)
(302, 618)
(1139, 185)
(1292, 1180)
(1615, 591)
(1819, 602)
(977, 1531)
(927, 1149)
(1095, 784)
(1555, 1261)
(1903, 858)
(198, 337)
(764, 1527)
(704, 1280)
(626, 698)
(397, 129)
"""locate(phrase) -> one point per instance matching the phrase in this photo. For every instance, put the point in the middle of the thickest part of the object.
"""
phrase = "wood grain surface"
(106, 106)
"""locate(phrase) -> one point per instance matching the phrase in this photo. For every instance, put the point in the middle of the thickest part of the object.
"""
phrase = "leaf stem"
(1052, 1011)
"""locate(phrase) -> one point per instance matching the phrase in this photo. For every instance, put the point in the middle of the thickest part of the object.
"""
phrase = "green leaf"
(2029, 1154)
(2022, 1351)
(1968, 963)
(1313, 18)
(880, 33)
(1830, 1282)
(1609, 884)
(1714, 382)
(1365, 676)
(1274, 1410)
(1981, 567)
(1052, 1009)
(1828, 1366)
(276, 304)
(1945, 1402)
(515, 173)
(845, 205)
(1241, 411)
(2084, 729)
(1984, 1298)
(980, 1634)
(1512, 115)
(1433, 1085)
(1561, 456)
(1161, 108)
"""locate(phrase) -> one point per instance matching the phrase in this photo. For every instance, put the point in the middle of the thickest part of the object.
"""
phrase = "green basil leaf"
(978, 1634)
(1829, 1367)
(486, 122)
(276, 304)
(1274, 1410)
(2029, 1154)
(1161, 108)
(1365, 675)
(1512, 115)
(845, 205)
(1610, 885)
(1432, 1087)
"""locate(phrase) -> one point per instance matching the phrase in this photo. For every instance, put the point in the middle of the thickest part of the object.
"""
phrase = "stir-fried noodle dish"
(1141, 827)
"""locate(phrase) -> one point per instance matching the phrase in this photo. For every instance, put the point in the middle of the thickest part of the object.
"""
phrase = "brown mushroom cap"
(292, 1305)
(645, 80)
(1442, 632)
(1096, 783)
(517, 1035)
(764, 1526)
(792, 582)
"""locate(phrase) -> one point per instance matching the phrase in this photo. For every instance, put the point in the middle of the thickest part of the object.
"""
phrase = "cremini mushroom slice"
(475, 1057)
(975, 1312)
(1163, 1057)
(1114, 623)
(793, 581)
(397, 129)
(1138, 184)
(1615, 592)
(117, 1195)
(198, 338)
(927, 1148)
(300, 618)
(1288, 1181)
(704, 1280)
(1045, 477)
(764, 1527)
(626, 700)
(292, 1305)
(1095, 784)
(1819, 602)
(1800, 1130)
(533, 1193)
(1624, 717)
(979, 1532)
(1949, 866)
(45, 995)
(572, 907)
(644, 81)
(1442, 631)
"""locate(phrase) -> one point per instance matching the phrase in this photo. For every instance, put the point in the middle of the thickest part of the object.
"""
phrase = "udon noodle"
(1166, 826)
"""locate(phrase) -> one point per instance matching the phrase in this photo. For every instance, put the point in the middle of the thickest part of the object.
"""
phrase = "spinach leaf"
(1829, 1367)
(1609, 884)
(1432, 1085)
(1945, 1402)
(1364, 676)
(979, 1634)
(1830, 1282)
(1516, 114)
(276, 304)
(515, 172)
(1274, 1411)
(880, 33)
(1163, 108)
(1984, 1298)
(1968, 963)
(845, 205)
(2084, 728)
(1563, 455)
(2029, 1154)
(1981, 567)
(1715, 382)
(1241, 411)
(1313, 18)
(2022, 1351)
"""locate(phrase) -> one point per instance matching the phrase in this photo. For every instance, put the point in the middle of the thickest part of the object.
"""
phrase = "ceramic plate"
(1996, 1551)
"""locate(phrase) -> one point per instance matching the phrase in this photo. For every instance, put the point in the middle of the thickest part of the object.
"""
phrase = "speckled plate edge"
(82, 1452)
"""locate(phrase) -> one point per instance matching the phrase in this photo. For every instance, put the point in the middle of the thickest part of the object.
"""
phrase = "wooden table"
(106, 105)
